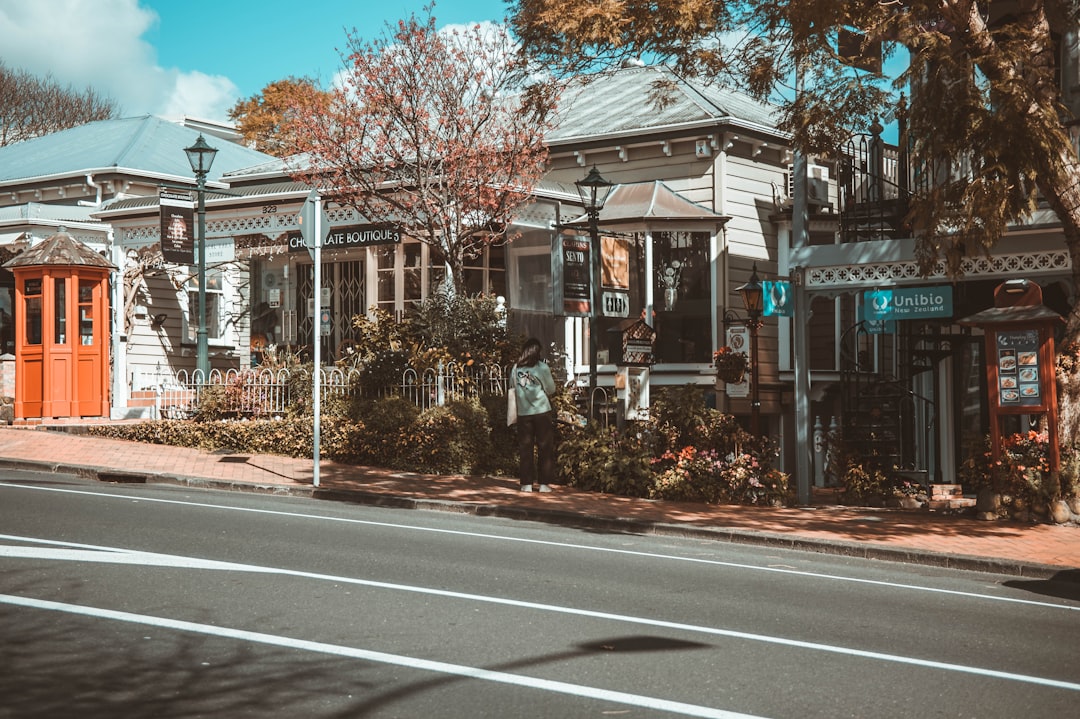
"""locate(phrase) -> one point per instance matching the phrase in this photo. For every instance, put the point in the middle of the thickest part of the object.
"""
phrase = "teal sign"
(776, 298)
(908, 303)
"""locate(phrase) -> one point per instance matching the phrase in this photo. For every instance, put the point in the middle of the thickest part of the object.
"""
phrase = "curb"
(1025, 570)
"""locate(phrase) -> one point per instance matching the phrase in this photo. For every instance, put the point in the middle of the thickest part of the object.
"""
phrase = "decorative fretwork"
(872, 274)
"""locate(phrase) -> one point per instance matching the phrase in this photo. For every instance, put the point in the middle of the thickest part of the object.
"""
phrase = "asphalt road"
(162, 601)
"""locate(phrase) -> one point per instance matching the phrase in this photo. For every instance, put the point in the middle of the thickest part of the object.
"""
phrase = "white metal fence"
(264, 392)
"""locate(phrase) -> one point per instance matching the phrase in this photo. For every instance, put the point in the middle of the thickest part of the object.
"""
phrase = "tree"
(986, 117)
(431, 132)
(32, 106)
(265, 119)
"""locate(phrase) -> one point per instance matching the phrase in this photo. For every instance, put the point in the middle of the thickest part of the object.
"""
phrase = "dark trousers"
(536, 432)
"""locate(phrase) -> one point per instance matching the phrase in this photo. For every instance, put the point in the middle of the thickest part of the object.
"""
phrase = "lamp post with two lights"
(201, 156)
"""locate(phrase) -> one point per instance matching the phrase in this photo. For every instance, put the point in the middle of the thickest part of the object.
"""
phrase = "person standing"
(533, 387)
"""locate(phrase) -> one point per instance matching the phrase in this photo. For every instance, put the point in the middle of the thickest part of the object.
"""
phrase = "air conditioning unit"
(817, 185)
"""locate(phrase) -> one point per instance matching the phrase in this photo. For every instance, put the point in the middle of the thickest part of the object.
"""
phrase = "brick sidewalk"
(1036, 550)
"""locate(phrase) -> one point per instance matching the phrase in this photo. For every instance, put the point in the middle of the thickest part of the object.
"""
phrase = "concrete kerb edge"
(571, 519)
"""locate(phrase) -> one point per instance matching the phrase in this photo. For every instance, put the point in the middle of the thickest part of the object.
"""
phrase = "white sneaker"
(528, 488)
(545, 488)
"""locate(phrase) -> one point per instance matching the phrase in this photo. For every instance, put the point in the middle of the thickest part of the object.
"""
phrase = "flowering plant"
(670, 275)
(730, 364)
(1025, 454)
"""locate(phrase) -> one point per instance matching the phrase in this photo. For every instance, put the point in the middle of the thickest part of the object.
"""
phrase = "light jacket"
(533, 386)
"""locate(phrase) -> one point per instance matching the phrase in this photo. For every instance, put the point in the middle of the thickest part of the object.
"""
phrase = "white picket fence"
(264, 392)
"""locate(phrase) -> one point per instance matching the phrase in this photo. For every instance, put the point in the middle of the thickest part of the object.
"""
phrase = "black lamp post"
(594, 191)
(201, 157)
(753, 300)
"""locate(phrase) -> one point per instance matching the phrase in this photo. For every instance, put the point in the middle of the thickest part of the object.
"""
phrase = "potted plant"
(730, 365)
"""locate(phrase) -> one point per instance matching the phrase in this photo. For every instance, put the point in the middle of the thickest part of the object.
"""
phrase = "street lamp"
(594, 191)
(201, 157)
(753, 300)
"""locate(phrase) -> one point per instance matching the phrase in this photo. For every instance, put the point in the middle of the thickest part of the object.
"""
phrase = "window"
(215, 284)
(682, 286)
(60, 310)
(32, 299)
(86, 312)
(486, 273)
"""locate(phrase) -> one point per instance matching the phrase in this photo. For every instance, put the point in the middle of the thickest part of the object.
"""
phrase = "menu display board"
(1019, 383)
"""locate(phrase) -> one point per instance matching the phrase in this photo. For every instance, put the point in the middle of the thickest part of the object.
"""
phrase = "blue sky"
(197, 57)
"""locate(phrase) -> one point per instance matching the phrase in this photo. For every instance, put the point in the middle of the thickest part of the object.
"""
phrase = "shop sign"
(351, 236)
(908, 303)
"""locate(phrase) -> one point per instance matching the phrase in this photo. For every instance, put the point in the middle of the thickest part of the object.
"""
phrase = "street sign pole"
(316, 384)
(313, 225)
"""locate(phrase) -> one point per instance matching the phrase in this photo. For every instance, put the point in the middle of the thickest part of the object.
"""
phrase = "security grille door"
(344, 282)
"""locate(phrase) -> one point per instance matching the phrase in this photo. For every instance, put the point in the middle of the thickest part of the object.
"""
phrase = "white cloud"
(99, 44)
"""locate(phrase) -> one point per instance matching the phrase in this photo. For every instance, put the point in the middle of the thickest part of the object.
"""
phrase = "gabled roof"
(643, 202)
(626, 100)
(147, 145)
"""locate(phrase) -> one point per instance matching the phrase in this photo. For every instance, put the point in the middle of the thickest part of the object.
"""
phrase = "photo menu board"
(1019, 384)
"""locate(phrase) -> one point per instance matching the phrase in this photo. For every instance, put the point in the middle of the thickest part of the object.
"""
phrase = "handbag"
(511, 405)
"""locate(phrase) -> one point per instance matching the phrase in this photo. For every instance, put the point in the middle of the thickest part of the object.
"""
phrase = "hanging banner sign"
(177, 226)
(738, 339)
(576, 287)
(908, 303)
(352, 236)
(777, 299)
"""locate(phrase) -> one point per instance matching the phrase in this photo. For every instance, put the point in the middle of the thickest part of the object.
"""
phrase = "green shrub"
(386, 419)
(432, 444)
(500, 455)
(599, 459)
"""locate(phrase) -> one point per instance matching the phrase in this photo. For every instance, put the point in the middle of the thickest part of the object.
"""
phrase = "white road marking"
(562, 545)
(548, 685)
(109, 554)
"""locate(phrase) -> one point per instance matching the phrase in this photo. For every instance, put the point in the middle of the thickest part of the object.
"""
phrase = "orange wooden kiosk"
(62, 330)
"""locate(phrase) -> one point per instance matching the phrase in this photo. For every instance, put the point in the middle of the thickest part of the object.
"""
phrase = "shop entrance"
(343, 290)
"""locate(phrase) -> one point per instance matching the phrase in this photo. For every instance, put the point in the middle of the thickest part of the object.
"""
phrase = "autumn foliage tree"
(429, 131)
(265, 120)
(32, 106)
(986, 116)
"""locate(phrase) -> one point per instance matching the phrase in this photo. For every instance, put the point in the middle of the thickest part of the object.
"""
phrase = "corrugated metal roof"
(39, 211)
(59, 250)
(151, 201)
(624, 100)
(147, 144)
(645, 201)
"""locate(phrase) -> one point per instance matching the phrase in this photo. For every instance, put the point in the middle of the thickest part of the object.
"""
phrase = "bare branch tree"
(32, 106)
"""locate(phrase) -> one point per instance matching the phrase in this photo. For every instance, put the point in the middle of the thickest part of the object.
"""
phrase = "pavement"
(921, 536)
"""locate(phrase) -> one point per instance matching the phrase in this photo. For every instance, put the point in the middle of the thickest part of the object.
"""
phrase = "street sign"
(324, 323)
(308, 225)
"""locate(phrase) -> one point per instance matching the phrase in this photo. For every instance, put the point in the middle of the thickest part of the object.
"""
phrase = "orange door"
(91, 349)
(59, 365)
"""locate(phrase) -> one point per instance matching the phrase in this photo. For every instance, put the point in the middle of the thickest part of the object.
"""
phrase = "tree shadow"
(1063, 585)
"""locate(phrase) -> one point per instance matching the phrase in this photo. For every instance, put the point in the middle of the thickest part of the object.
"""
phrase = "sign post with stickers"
(1020, 378)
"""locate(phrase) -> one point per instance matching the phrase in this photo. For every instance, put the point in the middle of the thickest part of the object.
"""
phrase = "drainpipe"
(90, 181)
(118, 335)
